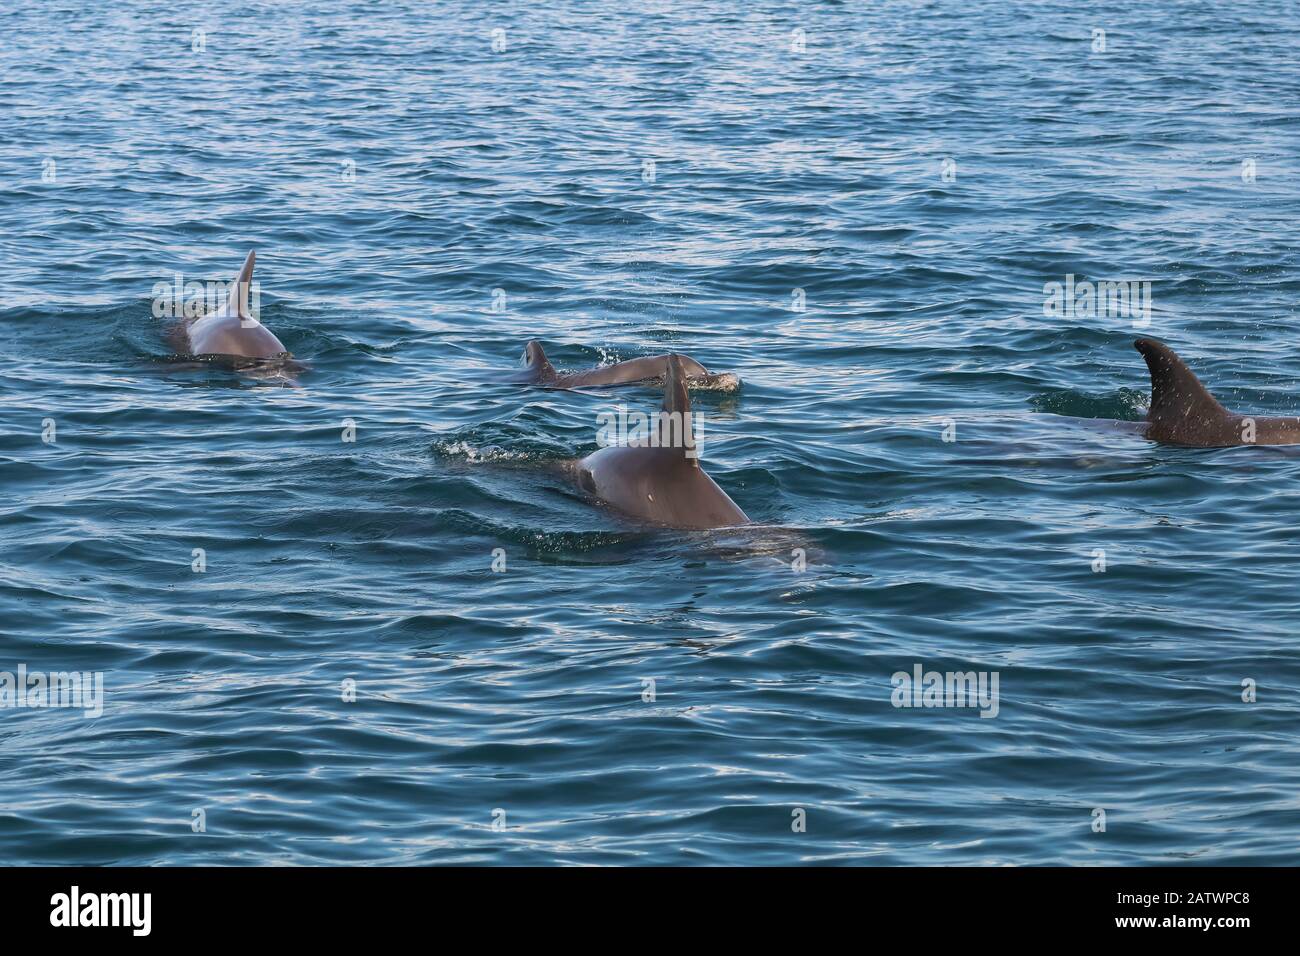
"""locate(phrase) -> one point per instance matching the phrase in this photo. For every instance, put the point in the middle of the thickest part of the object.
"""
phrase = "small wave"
(506, 443)
(475, 454)
(1125, 404)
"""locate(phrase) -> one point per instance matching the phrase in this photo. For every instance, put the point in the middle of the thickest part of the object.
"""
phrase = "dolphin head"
(719, 381)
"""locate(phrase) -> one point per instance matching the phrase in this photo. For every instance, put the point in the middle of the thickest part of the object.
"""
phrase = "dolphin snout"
(722, 381)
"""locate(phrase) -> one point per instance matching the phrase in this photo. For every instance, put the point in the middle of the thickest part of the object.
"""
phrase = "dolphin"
(539, 371)
(1183, 412)
(232, 330)
(664, 484)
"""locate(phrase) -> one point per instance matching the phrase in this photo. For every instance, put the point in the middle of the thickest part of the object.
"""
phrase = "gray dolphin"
(663, 484)
(232, 330)
(539, 371)
(1183, 412)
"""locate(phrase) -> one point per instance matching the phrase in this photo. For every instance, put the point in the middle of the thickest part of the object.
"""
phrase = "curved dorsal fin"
(536, 360)
(1175, 391)
(676, 398)
(238, 297)
(675, 423)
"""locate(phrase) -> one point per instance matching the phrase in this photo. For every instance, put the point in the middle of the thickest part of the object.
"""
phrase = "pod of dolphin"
(662, 481)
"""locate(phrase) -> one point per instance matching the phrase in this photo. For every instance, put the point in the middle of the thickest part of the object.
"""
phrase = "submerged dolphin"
(232, 330)
(539, 371)
(663, 484)
(1183, 412)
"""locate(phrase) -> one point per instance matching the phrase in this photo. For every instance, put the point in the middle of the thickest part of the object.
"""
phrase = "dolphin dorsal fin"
(238, 298)
(535, 356)
(676, 427)
(537, 362)
(676, 397)
(1175, 392)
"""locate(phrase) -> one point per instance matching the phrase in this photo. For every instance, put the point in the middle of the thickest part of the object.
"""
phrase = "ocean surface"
(306, 655)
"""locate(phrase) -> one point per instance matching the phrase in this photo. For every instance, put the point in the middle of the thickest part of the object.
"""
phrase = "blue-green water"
(393, 170)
